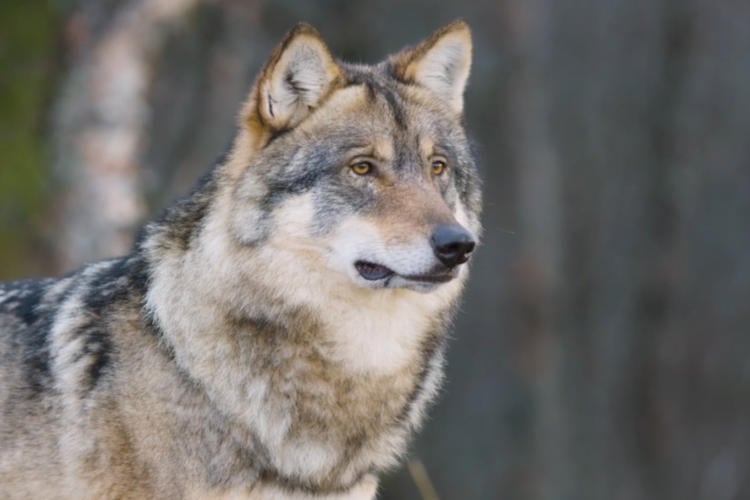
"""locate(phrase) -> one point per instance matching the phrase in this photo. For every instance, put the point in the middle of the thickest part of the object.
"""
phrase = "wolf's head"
(363, 170)
(296, 266)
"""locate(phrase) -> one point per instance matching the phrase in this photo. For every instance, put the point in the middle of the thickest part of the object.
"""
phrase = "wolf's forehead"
(381, 91)
(373, 107)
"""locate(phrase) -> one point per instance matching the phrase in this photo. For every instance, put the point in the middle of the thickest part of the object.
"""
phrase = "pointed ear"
(441, 63)
(299, 75)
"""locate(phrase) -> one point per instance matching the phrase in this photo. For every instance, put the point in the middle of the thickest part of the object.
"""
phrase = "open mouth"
(374, 272)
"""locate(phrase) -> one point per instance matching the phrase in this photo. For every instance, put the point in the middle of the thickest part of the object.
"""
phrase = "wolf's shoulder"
(72, 309)
(27, 312)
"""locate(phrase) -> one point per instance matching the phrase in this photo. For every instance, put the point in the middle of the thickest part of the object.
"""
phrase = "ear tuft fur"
(440, 64)
(299, 75)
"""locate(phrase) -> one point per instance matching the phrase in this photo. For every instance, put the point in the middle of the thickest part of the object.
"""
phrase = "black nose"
(452, 244)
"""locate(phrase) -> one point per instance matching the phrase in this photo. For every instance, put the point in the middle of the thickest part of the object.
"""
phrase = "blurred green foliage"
(29, 39)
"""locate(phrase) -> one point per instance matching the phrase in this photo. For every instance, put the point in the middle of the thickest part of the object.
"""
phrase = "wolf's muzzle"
(452, 244)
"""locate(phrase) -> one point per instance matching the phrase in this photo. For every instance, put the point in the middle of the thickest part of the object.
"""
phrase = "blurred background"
(603, 347)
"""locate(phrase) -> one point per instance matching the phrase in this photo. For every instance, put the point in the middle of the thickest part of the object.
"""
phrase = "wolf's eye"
(438, 167)
(362, 167)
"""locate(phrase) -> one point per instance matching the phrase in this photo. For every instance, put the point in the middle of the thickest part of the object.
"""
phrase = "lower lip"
(376, 272)
(437, 278)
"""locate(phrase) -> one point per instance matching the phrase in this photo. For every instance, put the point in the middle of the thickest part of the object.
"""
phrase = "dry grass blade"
(422, 480)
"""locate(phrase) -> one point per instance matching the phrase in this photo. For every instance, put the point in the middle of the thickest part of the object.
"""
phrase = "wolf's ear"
(441, 63)
(299, 74)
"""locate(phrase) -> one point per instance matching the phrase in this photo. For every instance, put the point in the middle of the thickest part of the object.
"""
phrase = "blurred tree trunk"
(100, 120)
(632, 159)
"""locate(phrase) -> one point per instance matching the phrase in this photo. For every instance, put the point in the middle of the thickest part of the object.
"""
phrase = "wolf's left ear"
(441, 63)
(299, 75)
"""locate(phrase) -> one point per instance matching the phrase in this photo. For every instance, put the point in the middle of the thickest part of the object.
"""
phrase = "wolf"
(280, 331)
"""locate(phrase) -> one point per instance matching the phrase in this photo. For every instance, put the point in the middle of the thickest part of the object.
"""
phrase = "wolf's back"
(55, 347)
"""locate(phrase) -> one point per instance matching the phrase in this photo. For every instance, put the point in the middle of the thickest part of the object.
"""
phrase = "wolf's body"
(280, 331)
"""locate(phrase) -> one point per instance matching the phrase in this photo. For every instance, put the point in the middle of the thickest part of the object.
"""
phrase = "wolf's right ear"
(299, 75)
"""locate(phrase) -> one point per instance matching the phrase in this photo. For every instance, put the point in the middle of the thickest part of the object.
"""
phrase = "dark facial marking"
(375, 88)
(298, 179)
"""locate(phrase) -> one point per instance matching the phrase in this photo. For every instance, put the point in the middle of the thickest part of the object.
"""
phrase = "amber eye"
(362, 167)
(438, 167)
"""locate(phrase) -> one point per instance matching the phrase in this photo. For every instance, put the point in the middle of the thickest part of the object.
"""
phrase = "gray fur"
(222, 356)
